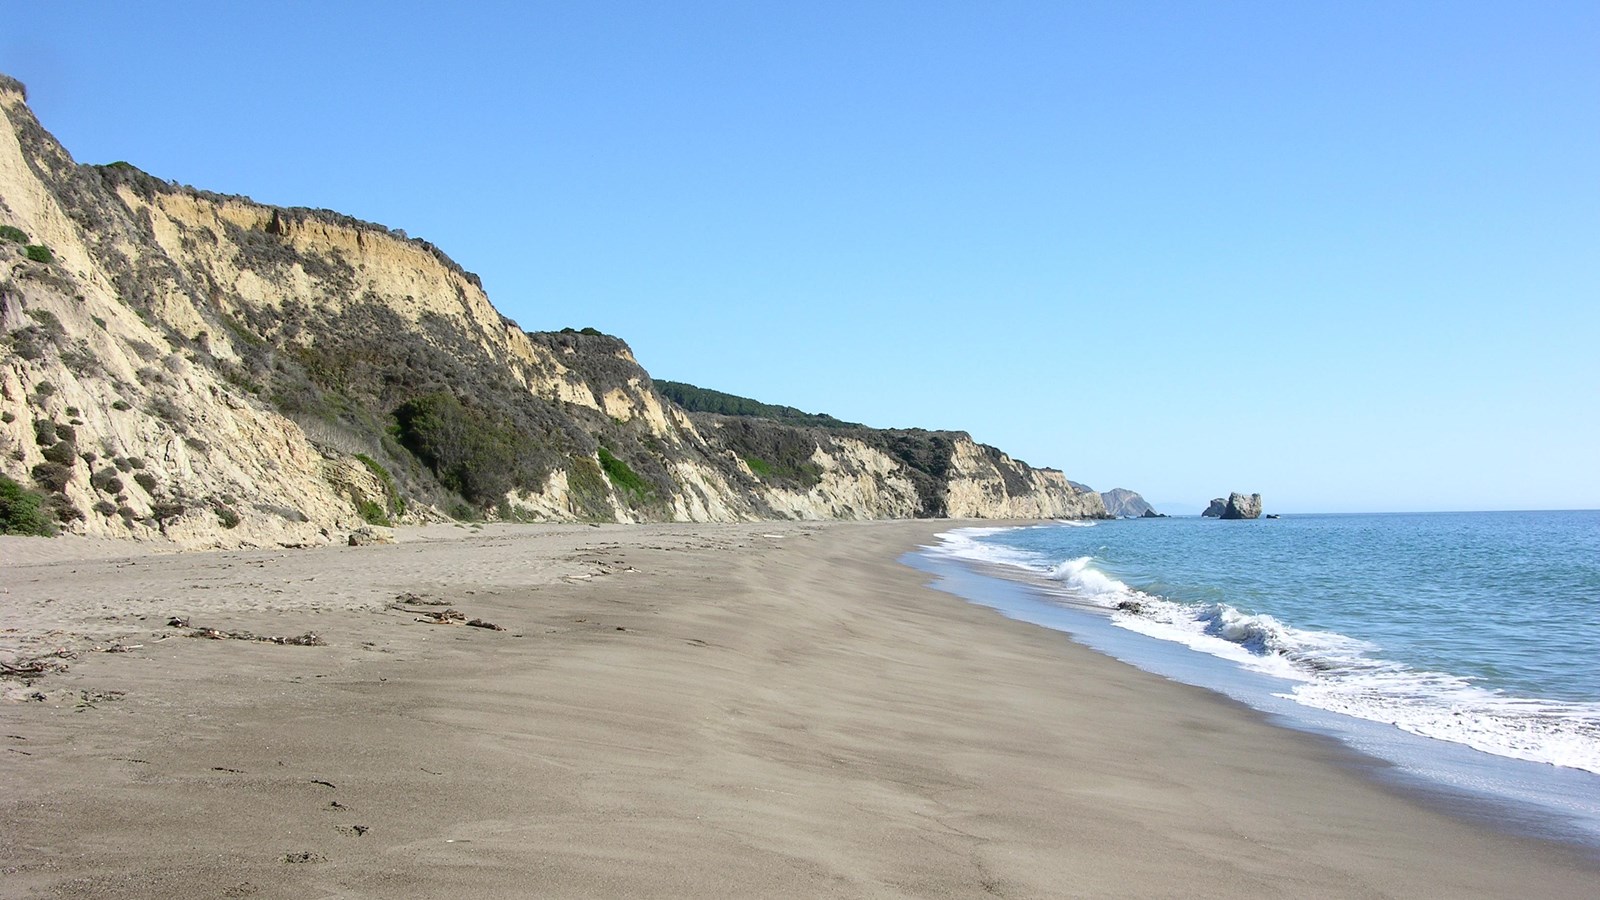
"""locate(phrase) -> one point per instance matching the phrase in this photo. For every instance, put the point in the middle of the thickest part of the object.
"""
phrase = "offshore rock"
(1216, 509)
(1242, 507)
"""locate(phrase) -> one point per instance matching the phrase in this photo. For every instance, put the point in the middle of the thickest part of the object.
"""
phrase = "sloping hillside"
(1123, 503)
(947, 472)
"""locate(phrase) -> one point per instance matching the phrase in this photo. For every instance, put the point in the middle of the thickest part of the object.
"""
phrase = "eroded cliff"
(201, 368)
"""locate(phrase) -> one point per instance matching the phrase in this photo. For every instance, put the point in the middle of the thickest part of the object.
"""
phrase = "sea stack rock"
(1216, 509)
(1242, 507)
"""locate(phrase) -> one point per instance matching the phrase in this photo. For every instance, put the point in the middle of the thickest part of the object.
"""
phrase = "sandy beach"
(772, 709)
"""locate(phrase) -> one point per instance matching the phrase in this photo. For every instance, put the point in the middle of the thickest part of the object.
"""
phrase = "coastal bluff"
(1125, 504)
(200, 369)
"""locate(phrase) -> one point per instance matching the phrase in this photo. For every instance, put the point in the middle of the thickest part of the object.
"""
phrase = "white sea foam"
(1448, 708)
(967, 543)
(1219, 630)
(1335, 672)
(1340, 674)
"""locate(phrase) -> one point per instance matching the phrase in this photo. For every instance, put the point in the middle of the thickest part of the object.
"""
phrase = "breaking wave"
(1332, 671)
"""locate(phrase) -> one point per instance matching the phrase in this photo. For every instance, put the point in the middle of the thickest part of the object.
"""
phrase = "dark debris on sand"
(29, 669)
(451, 616)
(309, 639)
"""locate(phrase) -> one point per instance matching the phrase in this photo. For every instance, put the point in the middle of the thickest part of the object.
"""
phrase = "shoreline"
(1516, 797)
(1512, 791)
(775, 707)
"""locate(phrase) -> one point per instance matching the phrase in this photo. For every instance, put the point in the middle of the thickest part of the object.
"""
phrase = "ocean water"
(1463, 648)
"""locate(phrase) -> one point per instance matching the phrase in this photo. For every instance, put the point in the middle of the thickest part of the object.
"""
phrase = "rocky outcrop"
(203, 369)
(1237, 506)
(1123, 503)
(1242, 507)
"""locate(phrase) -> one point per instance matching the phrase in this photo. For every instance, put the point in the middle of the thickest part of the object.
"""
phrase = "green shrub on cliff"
(13, 234)
(372, 513)
(624, 477)
(40, 253)
(396, 503)
(470, 450)
(20, 511)
(776, 453)
(587, 490)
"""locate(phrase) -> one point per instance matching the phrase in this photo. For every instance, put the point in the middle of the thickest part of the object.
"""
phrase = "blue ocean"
(1461, 648)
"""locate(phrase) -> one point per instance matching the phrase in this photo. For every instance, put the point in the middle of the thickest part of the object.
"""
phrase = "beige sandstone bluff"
(208, 371)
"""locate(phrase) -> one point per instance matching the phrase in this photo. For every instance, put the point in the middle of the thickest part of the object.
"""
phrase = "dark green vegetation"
(13, 234)
(40, 253)
(623, 477)
(395, 503)
(698, 399)
(20, 510)
(372, 512)
(472, 451)
(777, 453)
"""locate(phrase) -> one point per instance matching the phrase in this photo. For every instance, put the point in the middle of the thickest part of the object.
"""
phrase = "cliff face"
(202, 368)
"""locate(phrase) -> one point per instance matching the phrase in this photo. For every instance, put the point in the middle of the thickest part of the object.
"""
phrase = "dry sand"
(751, 710)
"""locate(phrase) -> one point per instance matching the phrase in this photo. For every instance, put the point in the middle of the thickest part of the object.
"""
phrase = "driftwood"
(37, 666)
(443, 617)
(452, 617)
(29, 669)
(309, 639)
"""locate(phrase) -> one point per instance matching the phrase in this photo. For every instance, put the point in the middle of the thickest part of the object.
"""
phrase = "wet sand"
(682, 710)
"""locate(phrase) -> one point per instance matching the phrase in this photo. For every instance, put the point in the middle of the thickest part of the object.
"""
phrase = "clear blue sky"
(1343, 254)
